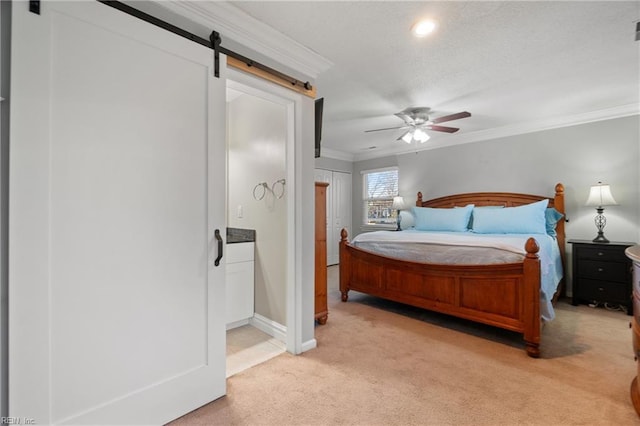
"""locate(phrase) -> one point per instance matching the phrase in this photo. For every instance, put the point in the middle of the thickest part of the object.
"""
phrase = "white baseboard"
(237, 324)
(272, 328)
(278, 331)
(309, 344)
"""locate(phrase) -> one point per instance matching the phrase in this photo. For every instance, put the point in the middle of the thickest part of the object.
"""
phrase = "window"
(380, 186)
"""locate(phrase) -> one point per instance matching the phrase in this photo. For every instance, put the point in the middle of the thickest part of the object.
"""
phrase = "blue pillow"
(407, 221)
(433, 219)
(526, 219)
(481, 207)
(552, 216)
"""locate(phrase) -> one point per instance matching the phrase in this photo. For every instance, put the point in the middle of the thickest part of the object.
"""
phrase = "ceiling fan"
(416, 119)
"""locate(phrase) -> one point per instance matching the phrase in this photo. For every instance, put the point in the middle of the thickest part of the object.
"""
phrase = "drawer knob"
(630, 324)
(600, 289)
(600, 253)
(600, 269)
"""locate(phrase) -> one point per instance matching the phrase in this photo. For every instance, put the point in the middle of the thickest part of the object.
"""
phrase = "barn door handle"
(220, 247)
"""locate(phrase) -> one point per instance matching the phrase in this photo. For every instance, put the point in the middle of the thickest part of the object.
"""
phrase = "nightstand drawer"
(601, 253)
(604, 291)
(608, 271)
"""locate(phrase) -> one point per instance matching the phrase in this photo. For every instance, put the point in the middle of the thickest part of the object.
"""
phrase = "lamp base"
(600, 222)
(600, 238)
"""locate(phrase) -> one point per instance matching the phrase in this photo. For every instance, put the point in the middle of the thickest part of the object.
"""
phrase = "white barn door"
(117, 183)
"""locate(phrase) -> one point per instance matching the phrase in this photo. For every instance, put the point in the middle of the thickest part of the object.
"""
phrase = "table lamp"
(600, 196)
(398, 204)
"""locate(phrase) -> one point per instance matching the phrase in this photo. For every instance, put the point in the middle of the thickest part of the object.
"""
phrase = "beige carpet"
(382, 363)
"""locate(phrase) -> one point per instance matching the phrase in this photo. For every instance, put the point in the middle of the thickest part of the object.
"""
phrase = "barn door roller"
(34, 6)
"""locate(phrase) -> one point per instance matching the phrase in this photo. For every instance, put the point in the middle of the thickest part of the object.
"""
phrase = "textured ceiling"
(516, 66)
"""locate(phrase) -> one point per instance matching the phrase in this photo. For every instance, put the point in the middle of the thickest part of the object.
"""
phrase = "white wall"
(577, 156)
(257, 153)
(333, 164)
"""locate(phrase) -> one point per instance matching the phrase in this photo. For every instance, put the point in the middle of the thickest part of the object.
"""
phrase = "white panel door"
(338, 209)
(341, 214)
(117, 172)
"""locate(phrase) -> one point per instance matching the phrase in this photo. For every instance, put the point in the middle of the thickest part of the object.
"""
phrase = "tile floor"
(247, 346)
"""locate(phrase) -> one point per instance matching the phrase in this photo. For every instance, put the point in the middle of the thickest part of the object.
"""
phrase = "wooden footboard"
(505, 296)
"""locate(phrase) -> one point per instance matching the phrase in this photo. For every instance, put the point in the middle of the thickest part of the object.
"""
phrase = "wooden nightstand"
(601, 273)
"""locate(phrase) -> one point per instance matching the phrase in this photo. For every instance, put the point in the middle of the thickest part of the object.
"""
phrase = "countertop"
(239, 235)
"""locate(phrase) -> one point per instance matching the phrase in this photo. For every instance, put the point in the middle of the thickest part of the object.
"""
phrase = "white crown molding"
(335, 154)
(235, 24)
(511, 130)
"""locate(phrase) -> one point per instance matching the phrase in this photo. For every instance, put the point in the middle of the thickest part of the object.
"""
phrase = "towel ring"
(264, 191)
(273, 188)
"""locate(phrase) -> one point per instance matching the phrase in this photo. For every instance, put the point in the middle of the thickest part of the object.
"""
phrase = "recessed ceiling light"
(424, 28)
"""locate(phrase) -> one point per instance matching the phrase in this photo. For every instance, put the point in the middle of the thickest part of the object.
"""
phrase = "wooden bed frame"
(505, 295)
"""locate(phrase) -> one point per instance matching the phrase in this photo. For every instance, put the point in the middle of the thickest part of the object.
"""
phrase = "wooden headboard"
(506, 199)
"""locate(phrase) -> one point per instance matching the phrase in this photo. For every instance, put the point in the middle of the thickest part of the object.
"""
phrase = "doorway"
(258, 199)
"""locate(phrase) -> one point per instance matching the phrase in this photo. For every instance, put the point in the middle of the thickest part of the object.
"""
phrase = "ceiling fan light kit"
(417, 135)
(416, 120)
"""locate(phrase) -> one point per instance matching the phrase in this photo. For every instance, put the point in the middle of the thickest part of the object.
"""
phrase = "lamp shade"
(600, 195)
(398, 203)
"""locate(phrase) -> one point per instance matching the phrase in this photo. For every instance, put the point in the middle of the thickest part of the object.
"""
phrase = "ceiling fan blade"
(443, 129)
(451, 117)
(387, 128)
